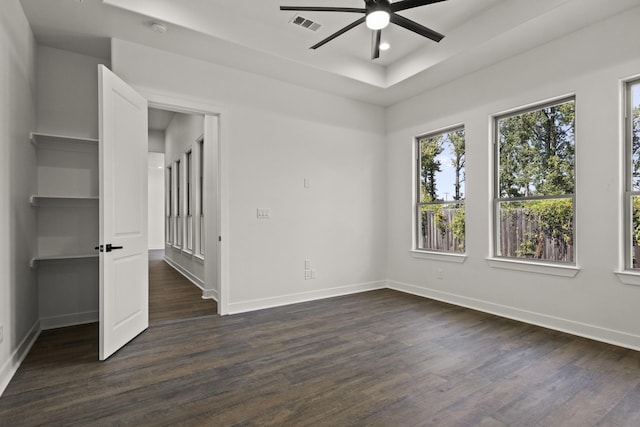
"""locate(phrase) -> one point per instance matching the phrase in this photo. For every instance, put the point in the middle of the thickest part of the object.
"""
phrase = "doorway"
(183, 210)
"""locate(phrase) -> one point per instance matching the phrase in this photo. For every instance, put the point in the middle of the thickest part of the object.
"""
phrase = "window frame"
(200, 183)
(554, 267)
(178, 240)
(417, 251)
(169, 205)
(188, 242)
(629, 192)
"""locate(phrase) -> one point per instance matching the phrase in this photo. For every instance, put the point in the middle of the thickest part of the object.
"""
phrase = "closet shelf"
(34, 260)
(34, 199)
(39, 138)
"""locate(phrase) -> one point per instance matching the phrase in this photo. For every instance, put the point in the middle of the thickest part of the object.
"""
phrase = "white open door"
(124, 276)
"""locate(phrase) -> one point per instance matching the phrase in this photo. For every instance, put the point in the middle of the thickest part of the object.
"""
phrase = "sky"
(445, 179)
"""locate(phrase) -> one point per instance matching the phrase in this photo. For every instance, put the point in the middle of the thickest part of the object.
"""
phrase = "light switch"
(307, 183)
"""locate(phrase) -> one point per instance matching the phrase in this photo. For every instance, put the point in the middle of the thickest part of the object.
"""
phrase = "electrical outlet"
(1, 333)
(307, 275)
(264, 213)
(440, 273)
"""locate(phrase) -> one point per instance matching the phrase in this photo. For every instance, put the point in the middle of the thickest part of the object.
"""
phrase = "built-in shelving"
(35, 259)
(35, 199)
(37, 138)
(66, 198)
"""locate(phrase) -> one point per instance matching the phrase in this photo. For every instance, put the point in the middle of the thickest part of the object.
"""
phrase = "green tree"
(635, 148)
(537, 152)
(456, 138)
(536, 155)
(430, 148)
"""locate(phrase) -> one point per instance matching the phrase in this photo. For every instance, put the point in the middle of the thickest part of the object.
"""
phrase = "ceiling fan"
(377, 15)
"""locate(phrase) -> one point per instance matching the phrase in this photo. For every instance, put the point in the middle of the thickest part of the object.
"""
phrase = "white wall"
(273, 136)
(156, 141)
(67, 104)
(589, 64)
(67, 92)
(181, 136)
(18, 284)
(156, 200)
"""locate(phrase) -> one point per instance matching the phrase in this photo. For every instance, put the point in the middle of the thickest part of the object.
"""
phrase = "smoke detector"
(159, 28)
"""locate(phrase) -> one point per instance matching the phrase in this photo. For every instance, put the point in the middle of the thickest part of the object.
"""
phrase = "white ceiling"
(159, 119)
(255, 36)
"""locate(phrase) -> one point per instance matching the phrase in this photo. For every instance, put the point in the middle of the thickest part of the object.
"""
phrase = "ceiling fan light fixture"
(378, 19)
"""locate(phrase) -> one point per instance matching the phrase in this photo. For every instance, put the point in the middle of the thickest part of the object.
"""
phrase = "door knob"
(108, 248)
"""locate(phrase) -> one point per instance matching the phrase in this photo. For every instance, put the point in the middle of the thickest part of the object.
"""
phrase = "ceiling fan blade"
(416, 28)
(324, 9)
(339, 32)
(375, 44)
(410, 4)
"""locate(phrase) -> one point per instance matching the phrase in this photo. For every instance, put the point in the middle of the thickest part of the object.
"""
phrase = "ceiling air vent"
(303, 22)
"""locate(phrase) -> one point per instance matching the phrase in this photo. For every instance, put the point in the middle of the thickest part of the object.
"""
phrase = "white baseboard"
(210, 294)
(259, 304)
(73, 319)
(618, 338)
(187, 274)
(10, 367)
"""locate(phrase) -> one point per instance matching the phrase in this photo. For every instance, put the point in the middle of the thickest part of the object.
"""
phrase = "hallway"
(171, 296)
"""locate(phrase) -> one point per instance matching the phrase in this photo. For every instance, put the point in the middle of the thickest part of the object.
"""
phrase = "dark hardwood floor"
(379, 358)
(171, 296)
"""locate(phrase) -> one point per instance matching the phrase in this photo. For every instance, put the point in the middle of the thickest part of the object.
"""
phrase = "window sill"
(439, 256)
(628, 277)
(534, 267)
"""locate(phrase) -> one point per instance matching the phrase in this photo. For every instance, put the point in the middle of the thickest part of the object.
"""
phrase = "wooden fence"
(437, 235)
(519, 236)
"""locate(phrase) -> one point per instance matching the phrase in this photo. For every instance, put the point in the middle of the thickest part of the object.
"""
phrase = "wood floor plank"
(379, 358)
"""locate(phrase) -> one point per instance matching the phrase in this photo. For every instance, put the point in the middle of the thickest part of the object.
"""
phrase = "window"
(188, 189)
(440, 191)
(178, 202)
(201, 195)
(169, 207)
(632, 181)
(188, 180)
(534, 184)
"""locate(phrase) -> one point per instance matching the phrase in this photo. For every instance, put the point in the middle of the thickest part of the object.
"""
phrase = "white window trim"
(561, 270)
(439, 256)
(524, 264)
(628, 277)
(416, 252)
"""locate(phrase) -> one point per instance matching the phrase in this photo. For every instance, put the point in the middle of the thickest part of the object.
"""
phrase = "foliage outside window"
(632, 127)
(534, 205)
(440, 192)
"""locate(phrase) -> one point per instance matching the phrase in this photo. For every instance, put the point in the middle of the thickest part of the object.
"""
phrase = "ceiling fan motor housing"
(374, 5)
